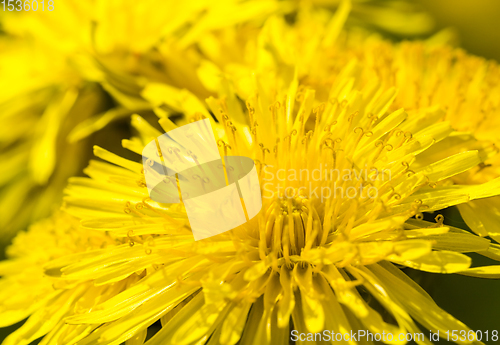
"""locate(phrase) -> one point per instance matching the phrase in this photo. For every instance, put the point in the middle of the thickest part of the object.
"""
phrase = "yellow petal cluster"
(297, 96)
(70, 72)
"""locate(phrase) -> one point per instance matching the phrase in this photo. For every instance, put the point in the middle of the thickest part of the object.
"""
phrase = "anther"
(158, 153)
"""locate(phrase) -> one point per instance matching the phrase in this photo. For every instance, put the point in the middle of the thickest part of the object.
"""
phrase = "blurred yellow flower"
(59, 69)
(467, 88)
(425, 74)
(42, 98)
(27, 290)
(400, 18)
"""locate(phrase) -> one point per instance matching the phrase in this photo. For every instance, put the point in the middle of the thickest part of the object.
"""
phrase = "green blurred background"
(477, 23)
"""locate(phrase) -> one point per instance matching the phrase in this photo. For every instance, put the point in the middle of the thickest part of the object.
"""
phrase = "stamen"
(439, 220)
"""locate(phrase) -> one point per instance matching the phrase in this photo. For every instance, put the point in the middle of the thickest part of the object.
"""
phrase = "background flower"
(68, 77)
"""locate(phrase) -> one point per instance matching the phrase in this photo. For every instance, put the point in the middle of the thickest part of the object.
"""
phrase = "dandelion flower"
(311, 260)
(425, 74)
(42, 99)
(308, 261)
(466, 88)
(27, 290)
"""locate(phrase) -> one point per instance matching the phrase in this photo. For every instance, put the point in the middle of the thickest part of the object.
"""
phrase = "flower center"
(292, 225)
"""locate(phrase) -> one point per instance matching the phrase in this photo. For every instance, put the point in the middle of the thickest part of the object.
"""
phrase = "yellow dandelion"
(345, 178)
(467, 89)
(424, 74)
(308, 262)
(42, 99)
(27, 289)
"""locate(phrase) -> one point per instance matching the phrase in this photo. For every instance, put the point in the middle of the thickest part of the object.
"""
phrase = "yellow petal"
(234, 323)
(492, 272)
(436, 262)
